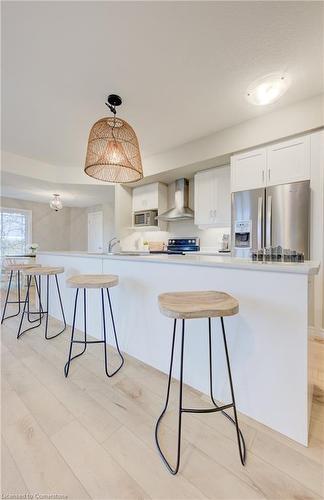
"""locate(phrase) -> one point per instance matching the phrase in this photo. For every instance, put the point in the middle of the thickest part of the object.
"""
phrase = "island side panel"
(267, 339)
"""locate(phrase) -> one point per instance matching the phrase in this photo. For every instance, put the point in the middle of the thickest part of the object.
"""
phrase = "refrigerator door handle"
(260, 223)
(269, 222)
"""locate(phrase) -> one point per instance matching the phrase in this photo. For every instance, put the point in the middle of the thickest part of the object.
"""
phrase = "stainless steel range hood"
(181, 211)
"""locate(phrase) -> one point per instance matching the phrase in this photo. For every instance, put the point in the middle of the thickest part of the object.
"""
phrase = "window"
(15, 230)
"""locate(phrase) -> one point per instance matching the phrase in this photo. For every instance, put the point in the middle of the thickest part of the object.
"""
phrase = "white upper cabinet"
(146, 197)
(151, 197)
(212, 197)
(288, 161)
(248, 170)
(280, 163)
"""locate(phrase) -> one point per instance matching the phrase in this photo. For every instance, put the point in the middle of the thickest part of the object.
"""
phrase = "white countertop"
(199, 259)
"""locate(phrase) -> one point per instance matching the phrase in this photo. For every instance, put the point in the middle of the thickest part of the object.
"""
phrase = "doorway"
(95, 232)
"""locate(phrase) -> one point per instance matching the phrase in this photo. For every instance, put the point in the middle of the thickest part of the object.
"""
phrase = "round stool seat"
(20, 267)
(92, 281)
(43, 271)
(187, 305)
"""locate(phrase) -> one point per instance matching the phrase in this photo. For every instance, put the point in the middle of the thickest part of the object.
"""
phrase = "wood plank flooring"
(92, 437)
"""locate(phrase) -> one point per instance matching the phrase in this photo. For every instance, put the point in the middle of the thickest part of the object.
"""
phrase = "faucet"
(114, 241)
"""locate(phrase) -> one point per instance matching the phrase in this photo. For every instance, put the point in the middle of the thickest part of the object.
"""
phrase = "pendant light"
(56, 203)
(113, 153)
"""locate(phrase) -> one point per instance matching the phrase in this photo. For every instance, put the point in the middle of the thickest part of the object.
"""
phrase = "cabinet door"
(212, 197)
(204, 197)
(145, 197)
(248, 170)
(223, 196)
(288, 161)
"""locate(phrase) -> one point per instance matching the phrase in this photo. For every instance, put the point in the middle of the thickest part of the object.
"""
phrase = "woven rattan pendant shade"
(113, 153)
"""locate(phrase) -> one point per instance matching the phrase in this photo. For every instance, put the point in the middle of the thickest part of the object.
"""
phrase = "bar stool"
(98, 281)
(15, 267)
(35, 272)
(189, 305)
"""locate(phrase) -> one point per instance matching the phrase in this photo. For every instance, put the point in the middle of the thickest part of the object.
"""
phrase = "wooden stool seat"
(43, 271)
(190, 305)
(19, 267)
(92, 281)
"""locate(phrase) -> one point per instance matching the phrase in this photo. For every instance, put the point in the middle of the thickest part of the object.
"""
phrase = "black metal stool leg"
(7, 296)
(241, 445)
(47, 310)
(7, 301)
(105, 334)
(173, 470)
(40, 310)
(19, 333)
(243, 449)
(216, 408)
(67, 365)
(26, 306)
(18, 289)
(60, 299)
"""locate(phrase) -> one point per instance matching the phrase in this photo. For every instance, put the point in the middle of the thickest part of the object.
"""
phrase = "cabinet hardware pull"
(262, 175)
(269, 174)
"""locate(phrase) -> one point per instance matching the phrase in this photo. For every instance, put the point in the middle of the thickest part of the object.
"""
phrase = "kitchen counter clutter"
(202, 259)
(268, 338)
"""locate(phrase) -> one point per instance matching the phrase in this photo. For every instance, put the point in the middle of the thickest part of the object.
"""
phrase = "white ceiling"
(182, 68)
(72, 195)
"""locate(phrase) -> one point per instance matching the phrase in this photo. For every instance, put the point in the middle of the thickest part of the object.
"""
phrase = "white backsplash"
(210, 239)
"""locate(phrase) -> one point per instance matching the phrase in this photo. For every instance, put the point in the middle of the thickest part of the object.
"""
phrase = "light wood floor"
(92, 437)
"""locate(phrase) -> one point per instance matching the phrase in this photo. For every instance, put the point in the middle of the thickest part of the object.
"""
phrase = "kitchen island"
(268, 340)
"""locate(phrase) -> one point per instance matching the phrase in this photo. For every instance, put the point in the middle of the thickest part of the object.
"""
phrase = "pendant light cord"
(113, 110)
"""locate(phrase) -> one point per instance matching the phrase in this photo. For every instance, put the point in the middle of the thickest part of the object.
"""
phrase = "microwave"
(145, 218)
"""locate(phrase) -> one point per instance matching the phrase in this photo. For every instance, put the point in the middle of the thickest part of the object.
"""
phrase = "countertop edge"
(307, 268)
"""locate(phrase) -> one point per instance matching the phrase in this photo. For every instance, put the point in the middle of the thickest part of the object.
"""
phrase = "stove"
(183, 245)
(180, 246)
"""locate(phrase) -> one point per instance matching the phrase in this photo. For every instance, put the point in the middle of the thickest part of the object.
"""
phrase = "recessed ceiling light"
(268, 89)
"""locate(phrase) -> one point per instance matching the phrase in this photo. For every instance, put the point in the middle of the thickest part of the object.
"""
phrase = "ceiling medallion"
(113, 153)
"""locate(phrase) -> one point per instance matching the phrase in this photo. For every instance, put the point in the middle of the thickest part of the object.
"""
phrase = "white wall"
(62, 230)
(292, 120)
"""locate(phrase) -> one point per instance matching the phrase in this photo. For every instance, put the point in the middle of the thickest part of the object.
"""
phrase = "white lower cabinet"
(212, 197)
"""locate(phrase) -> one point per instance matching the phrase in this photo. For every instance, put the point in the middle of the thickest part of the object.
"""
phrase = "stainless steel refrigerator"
(277, 215)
